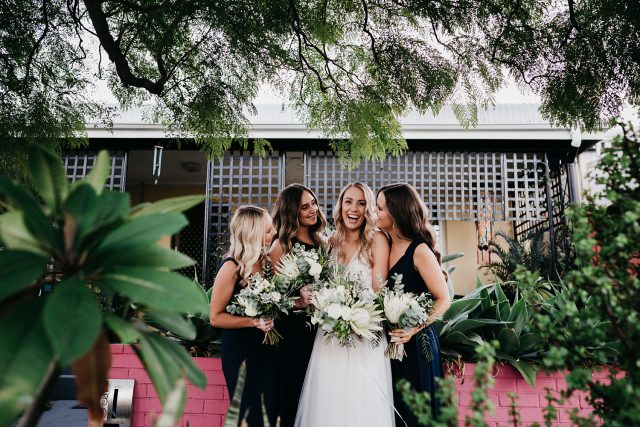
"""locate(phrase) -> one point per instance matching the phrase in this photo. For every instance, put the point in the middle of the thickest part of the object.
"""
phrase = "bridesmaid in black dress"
(242, 337)
(297, 218)
(405, 218)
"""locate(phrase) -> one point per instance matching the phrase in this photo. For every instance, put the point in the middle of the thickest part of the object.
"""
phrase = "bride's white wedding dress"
(347, 386)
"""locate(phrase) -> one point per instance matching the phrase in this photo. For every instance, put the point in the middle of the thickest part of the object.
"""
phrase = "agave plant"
(84, 243)
(485, 315)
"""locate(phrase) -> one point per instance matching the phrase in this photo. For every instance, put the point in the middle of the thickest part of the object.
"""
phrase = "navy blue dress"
(295, 352)
(245, 345)
(421, 366)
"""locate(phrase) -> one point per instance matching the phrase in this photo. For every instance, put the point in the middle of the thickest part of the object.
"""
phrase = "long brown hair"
(410, 215)
(367, 231)
(285, 216)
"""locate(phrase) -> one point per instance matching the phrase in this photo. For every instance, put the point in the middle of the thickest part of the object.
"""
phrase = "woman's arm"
(380, 250)
(222, 292)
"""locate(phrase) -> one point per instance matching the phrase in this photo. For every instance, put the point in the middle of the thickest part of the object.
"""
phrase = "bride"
(351, 386)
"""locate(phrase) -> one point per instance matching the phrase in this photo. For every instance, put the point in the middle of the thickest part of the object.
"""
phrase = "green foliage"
(80, 239)
(530, 252)
(604, 290)
(351, 68)
(486, 315)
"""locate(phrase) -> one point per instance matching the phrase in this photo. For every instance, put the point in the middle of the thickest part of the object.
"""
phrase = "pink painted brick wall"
(206, 408)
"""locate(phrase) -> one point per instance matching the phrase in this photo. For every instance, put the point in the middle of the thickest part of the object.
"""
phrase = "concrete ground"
(64, 413)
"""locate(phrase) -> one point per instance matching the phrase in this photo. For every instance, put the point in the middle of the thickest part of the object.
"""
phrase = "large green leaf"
(150, 256)
(113, 205)
(82, 203)
(143, 230)
(180, 356)
(25, 358)
(501, 297)
(100, 170)
(174, 406)
(172, 205)
(72, 319)
(470, 324)
(459, 308)
(504, 310)
(451, 257)
(15, 234)
(529, 342)
(122, 328)
(19, 270)
(519, 315)
(471, 339)
(160, 290)
(174, 323)
(48, 176)
(527, 370)
(509, 341)
(162, 369)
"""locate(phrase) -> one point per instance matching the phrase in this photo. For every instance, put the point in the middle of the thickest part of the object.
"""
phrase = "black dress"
(245, 345)
(295, 352)
(421, 366)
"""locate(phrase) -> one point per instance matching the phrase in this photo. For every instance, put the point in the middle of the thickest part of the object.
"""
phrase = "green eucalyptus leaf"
(174, 323)
(160, 290)
(25, 358)
(48, 176)
(100, 170)
(72, 319)
(15, 234)
(172, 205)
(143, 230)
(19, 270)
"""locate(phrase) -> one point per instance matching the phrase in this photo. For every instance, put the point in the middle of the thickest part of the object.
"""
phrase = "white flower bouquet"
(403, 310)
(262, 298)
(345, 310)
(302, 267)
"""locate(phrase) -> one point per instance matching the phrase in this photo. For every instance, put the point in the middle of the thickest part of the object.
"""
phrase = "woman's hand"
(263, 324)
(305, 298)
(401, 336)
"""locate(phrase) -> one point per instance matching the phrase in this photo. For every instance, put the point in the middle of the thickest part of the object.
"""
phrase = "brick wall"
(207, 408)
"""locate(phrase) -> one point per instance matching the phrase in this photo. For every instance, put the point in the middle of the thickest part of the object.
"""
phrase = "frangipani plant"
(85, 242)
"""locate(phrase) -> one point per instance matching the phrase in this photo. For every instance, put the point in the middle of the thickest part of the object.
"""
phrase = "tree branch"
(37, 44)
(100, 24)
(366, 30)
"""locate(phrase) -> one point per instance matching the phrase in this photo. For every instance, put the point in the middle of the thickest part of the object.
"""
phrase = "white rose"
(251, 310)
(315, 270)
(346, 313)
(275, 296)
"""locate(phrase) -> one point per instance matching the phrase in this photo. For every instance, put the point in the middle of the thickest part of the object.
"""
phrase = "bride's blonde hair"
(367, 231)
(247, 240)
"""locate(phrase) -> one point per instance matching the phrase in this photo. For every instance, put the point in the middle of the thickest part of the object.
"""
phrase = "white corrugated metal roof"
(503, 121)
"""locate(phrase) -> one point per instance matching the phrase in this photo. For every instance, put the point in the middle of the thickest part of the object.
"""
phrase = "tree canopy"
(350, 67)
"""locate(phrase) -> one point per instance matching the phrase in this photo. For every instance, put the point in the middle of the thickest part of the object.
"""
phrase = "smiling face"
(353, 206)
(385, 221)
(308, 213)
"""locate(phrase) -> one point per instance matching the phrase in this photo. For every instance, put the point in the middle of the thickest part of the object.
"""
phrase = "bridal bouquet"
(262, 298)
(346, 310)
(302, 267)
(402, 310)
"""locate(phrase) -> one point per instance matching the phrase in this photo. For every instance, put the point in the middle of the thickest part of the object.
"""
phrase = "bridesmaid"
(404, 217)
(242, 337)
(297, 219)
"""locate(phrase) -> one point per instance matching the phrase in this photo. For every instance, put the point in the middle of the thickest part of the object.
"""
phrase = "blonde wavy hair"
(247, 240)
(367, 231)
